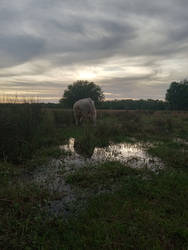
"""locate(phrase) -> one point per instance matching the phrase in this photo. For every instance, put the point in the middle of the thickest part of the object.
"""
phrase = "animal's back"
(85, 104)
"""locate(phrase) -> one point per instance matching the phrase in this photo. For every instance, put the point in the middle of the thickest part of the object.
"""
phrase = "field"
(120, 207)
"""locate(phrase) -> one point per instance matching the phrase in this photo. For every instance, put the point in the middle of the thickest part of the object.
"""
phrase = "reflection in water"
(71, 198)
(134, 155)
(51, 177)
(83, 149)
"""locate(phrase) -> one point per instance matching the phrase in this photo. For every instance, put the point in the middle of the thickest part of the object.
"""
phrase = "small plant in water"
(85, 144)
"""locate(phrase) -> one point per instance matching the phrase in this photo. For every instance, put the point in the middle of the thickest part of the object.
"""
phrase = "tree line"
(130, 104)
(177, 95)
(176, 98)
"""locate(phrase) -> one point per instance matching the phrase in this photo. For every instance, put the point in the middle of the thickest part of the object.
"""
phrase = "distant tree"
(79, 90)
(177, 95)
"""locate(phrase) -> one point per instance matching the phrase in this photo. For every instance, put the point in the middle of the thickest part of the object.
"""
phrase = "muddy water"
(69, 198)
(134, 155)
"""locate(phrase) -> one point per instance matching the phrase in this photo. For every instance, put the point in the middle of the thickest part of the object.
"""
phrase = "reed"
(21, 129)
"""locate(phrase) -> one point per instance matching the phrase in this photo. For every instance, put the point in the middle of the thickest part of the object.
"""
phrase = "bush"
(63, 117)
(106, 130)
(21, 127)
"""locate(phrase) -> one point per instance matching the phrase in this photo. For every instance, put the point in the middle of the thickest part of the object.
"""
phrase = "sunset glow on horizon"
(132, 50)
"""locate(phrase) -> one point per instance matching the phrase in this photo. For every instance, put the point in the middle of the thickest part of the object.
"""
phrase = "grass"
(173, 154)
(23, 130)
(144, 213)
(21, 216)
(103, 175)
(141, 210)
(131, 219)
(122, 125)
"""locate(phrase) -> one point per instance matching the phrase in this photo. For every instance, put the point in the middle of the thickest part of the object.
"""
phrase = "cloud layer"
(132, 49)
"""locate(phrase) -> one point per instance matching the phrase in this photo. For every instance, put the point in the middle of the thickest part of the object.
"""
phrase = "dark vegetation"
(130, 104)
(177, 95)
(84, 89)
(79, 90)
(26, 128)
(144, 210)
(23, 130)
(176, 98)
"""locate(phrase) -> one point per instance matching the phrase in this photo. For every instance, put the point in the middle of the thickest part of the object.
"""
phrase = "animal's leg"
(81, 119)
(76, 117)
(94, 121)
(94, 118)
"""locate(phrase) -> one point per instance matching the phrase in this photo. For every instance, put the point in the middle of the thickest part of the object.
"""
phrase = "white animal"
(84, 109)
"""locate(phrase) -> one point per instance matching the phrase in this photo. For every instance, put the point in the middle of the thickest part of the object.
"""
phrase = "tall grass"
(125, 209)
(17, 99)
(23, 129)
(63, 118)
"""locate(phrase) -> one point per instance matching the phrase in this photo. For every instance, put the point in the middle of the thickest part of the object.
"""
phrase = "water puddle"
(181, 141)
(133, 155)
(70, 199)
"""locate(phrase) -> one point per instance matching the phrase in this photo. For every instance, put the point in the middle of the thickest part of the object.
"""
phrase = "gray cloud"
(43, 43)
(19, 48)
(135, 88)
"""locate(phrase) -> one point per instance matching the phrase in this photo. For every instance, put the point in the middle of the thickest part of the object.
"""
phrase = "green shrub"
(63, 117)
(21, 128)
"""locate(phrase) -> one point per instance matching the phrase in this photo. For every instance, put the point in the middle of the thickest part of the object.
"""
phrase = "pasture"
(105, 205)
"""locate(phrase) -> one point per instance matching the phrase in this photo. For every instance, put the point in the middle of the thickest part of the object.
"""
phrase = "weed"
(23, 129)
(143, 210)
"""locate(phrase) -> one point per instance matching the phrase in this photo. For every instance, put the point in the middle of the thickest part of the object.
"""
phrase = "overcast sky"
(132, 49)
